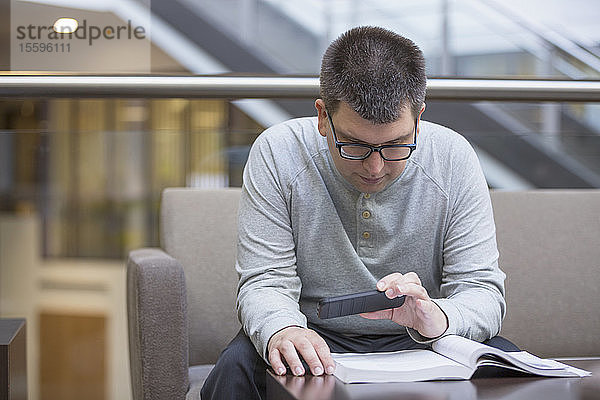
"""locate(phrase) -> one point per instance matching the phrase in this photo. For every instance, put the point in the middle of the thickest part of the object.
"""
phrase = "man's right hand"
(292, 342)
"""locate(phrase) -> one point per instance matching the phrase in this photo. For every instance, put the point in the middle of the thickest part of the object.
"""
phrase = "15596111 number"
(35, 47)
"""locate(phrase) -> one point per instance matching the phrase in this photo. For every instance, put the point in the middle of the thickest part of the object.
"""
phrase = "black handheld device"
(356, 303)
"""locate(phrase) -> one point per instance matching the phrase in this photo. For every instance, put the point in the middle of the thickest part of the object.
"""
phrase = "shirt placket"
(365, 225)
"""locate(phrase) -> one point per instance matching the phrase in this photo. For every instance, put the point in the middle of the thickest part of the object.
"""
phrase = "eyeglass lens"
(391, 153)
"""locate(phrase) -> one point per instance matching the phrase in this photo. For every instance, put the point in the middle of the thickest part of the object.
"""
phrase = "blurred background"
(80, 178)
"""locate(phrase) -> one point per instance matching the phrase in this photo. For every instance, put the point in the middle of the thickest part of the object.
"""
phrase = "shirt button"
(366, 235)
(366, 214)
(367, 195)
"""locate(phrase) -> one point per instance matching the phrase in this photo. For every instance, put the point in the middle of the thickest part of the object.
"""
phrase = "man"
(363, 196)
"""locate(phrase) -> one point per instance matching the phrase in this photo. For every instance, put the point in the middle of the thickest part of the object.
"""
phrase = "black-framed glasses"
(360, 151)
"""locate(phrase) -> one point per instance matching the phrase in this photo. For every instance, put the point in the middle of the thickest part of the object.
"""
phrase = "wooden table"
(509, 387)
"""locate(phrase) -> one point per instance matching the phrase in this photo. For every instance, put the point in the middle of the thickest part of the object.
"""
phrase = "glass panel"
(93, 169)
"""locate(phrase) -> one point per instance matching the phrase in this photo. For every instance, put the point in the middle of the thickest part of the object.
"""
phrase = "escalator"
(523, 153)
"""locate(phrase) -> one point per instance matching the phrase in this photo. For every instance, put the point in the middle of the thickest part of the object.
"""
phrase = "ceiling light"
(65, 25)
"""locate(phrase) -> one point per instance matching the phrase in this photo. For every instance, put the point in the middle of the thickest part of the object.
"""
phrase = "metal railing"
(31, 85)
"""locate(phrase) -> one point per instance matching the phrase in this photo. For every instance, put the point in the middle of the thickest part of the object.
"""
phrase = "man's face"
(372, 174)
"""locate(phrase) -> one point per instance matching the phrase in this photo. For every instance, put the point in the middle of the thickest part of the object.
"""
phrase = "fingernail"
(380, 285)
(389, 293)
(330, 370)
(298, 371)
(281, 371)
(318, 371)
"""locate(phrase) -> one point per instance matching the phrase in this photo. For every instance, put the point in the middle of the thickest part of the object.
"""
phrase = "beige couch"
(181, 298)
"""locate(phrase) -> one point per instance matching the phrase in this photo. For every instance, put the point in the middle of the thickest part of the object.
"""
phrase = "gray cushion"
(549, 243)
(199, 229)
(198, 375)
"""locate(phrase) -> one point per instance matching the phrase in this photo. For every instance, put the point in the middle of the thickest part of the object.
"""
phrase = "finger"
(393, 283)
(413, 290)
(288, 350)
(394, 291)
(396, 277)
(308, 352)
(387, 281)
(324, 355)
(276, 362)
(382, 314)
(412, 277)
(401, 286)
(398, 289)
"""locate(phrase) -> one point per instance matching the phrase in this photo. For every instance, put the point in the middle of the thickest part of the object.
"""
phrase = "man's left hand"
(417, 312)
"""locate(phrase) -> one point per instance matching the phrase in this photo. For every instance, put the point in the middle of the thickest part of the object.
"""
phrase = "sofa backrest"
(199, 228)
(549, 244)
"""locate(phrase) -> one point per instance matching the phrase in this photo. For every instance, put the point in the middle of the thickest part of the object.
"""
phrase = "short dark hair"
(376, 71)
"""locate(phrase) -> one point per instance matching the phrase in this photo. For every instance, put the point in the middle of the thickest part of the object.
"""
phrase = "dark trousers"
(240, 371)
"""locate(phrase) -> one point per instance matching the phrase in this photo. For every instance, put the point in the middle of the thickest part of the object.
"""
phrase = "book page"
(550, 366)
(460, 349)
(536, 362)
(404, 360)
(399, 366)
(473, 354)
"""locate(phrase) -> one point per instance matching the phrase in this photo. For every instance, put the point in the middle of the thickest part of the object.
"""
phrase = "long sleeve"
(269, 287)
(472, 287)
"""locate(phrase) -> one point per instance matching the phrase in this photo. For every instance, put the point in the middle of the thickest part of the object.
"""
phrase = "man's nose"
(374, 163)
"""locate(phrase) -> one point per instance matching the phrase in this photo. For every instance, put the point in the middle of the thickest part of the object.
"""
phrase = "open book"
(453, 357)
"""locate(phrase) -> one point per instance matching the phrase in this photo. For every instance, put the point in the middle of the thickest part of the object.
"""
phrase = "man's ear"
(322, 117)
(419, 119)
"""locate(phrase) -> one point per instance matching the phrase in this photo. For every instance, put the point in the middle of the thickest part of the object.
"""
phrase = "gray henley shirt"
(304, 235)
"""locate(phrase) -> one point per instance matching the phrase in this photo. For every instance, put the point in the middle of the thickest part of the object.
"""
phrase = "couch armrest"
(158, 330)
